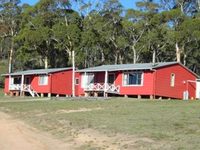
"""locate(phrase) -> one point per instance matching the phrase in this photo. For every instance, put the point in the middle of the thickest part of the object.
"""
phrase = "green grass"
(175, 122)
(1, 93)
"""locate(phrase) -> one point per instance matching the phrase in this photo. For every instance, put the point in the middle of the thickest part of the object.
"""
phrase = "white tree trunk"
(102, 56)
(10, 57)
(178, 53)
(116, 58)
(134, 55)
(120, 59)
(46, 62)
(154, 57)
(184, 60)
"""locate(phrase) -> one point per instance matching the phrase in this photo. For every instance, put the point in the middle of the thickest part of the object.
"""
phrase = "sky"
(125, 3)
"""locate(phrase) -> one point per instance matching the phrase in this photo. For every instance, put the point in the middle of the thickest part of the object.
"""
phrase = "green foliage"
(3, 70)
(102, 32)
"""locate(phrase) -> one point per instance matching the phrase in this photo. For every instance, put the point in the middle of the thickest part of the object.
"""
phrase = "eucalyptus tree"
(93, 49)
(9, 25)
(152, 30)
(113, 32)
(134, 28)
(175, 13)
(91, 52)
(191, 32)
(37, 33)
(103, 40)
(67, 31)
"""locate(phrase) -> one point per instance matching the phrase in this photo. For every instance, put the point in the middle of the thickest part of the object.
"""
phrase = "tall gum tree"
(150, 28)
(9, 22)
(176, 12)
(37, 29)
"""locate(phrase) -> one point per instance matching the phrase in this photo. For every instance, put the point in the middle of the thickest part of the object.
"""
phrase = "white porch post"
(22, 85)
(105, 83)
(9, 84)
(84, 82)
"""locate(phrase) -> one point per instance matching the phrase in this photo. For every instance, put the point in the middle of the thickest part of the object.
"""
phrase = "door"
(111, 78)
(27, 81)
(87, 79)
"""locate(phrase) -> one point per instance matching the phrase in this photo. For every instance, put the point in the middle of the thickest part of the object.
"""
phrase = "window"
(133, 78)
(16, 80)
(77, 81)
(87, 79)
(172, 80)
(43, 80)
(27, 80)
(111, 78)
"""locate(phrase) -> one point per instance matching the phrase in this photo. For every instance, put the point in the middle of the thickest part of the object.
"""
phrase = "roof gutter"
(111, 70)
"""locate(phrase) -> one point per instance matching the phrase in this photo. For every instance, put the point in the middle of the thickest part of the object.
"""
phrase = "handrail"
(14, 87)
(25, 88)
(18, 87)
(101, 87)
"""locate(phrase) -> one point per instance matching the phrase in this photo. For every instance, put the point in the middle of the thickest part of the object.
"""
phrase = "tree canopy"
(99, 32)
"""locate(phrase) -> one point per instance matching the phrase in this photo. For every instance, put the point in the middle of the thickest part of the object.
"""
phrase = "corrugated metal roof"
(38, 71)
(141, 66)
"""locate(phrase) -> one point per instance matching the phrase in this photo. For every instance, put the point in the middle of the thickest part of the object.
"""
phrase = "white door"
(87, 79)
(198, 89)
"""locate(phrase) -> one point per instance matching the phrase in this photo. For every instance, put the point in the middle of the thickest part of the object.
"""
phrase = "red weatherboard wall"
(39, 88)
(34, 80)
(58, 83)
(145, 89)
(155, 82)
(6, 84)
(162, 85)
(61, 83)
(77, 88)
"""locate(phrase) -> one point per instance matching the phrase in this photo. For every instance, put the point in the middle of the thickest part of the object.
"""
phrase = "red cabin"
(159, 80)
(40, 82)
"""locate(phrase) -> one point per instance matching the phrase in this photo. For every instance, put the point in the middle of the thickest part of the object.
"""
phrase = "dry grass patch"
(77, 110)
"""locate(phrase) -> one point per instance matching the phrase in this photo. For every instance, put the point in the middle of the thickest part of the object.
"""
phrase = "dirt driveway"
(15, 135)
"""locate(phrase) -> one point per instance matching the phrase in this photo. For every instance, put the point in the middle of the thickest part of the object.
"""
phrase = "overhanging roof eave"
(19, 74)
(36, 72)
(111, 70)
(82, 71)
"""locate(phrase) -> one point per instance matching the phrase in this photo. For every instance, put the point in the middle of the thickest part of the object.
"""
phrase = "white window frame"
(43, 80)
(172, 79)
(133, 85)
(12, 80)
